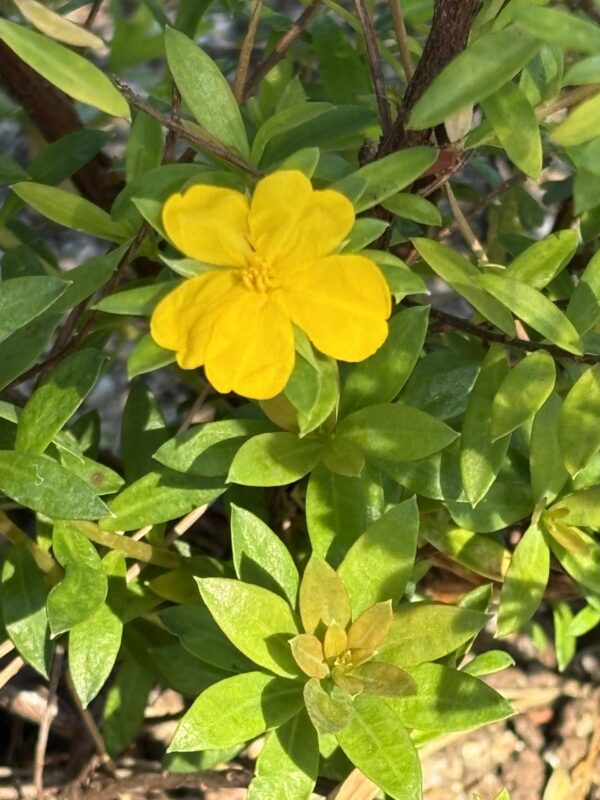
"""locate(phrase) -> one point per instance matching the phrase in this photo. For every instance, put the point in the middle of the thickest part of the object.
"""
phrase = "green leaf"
(83, 589)
(125, 705)
(21, 350)
(159, 496)
(584, 621)
(323, 599)
(448, 700)
(582, 565)
(564, 642)
(473, 76)
(428, 631)
(441, 383)
(57, 398)
(580, 126)
(480, 456)
(274, 459)
(339, 509)
(71, 210)
(525, 582)
(377, 742)
(522, 393)
(88, 278)
(39, 483)
(11, 171)
(205, 91)
(202, 637)
(235, 710)
(413, 207)
(400, 278)
(147, 356)
(67, 70)
(548, 474)
(94, 643)
(488, 663)
(558, 27)
(580, 508)
(144, 147)
(209, 449)
(477, 552)
(260, 557)
(288, 763)
(139, 301)
(584, 306)
(23, 596)
(313, 389)
(515, 124)
(329, 712)
(258, 622)
(578, 430)
(541, 262)
(385, 680)
(380, 378)
(284, 121)
(388, 175)
(379, 564)
(504, 504)
(464, 278)
(365, 231)
(389, 431)
(24, 299)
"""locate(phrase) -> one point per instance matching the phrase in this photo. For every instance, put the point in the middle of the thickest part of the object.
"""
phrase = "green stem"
(140, 551)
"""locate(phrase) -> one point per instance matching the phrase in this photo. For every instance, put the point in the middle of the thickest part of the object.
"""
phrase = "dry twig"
(241, 74)
(44, 730)
(375, 66)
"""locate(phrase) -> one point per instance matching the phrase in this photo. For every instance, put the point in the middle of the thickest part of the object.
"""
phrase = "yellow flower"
(275, 267)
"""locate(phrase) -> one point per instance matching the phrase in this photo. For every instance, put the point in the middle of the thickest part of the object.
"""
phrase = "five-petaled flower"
(275, 266)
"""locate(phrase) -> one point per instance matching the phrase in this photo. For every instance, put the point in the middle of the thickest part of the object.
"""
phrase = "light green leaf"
(209, 449)
(339, 509)
(480, 456)
(503, 505)
(323, 599)
(516, 127)
(489, 663)
(580, 126)
(448, 700)
(472, 76)
(464, 278)
(56, 399)
(274, 459)
(584, 304)
(313, 389)
(525, 581)
(39, 483)
(379, 564)
(542, 261)
(71, 210)
(159, 496)
(564, 642)
(413, 207)
(535, 309)
(578, 430)
(83, 589)
(236, 710)
(205, 91)
(258, 622)
(329, 711)
(388, 175)
(24, 299)
(380, 377)
(377, 742)
(52, 24)
(260, 557)
(288, 763)
(522, 393)
(558, 27)
(283, 121)
(477, 552)
(395, 431)
(580, 508)
(548, 474)
(427, 631)
(67, 70)
(584, 621)
(94, 643)
(147, 356)
(365, 231)
(23, 595)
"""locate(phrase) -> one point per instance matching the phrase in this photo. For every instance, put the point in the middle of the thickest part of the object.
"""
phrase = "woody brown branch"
(53, 113)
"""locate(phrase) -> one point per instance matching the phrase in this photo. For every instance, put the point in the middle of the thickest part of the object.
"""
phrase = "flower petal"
(251, 351)
(342, 304)
(210, 224)
(183, 320)
(291, 225)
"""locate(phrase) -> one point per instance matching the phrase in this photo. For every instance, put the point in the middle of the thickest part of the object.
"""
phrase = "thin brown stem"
(49, 714)
(401, 38)
(482, 203)
(280, 50)
(241, 75)
(203, 140)
(93, 13)
(375, 66)
(450, 322)
(90, 726)
(462, 223)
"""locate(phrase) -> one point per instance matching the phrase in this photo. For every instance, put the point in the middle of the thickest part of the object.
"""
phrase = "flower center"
(258, 276)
